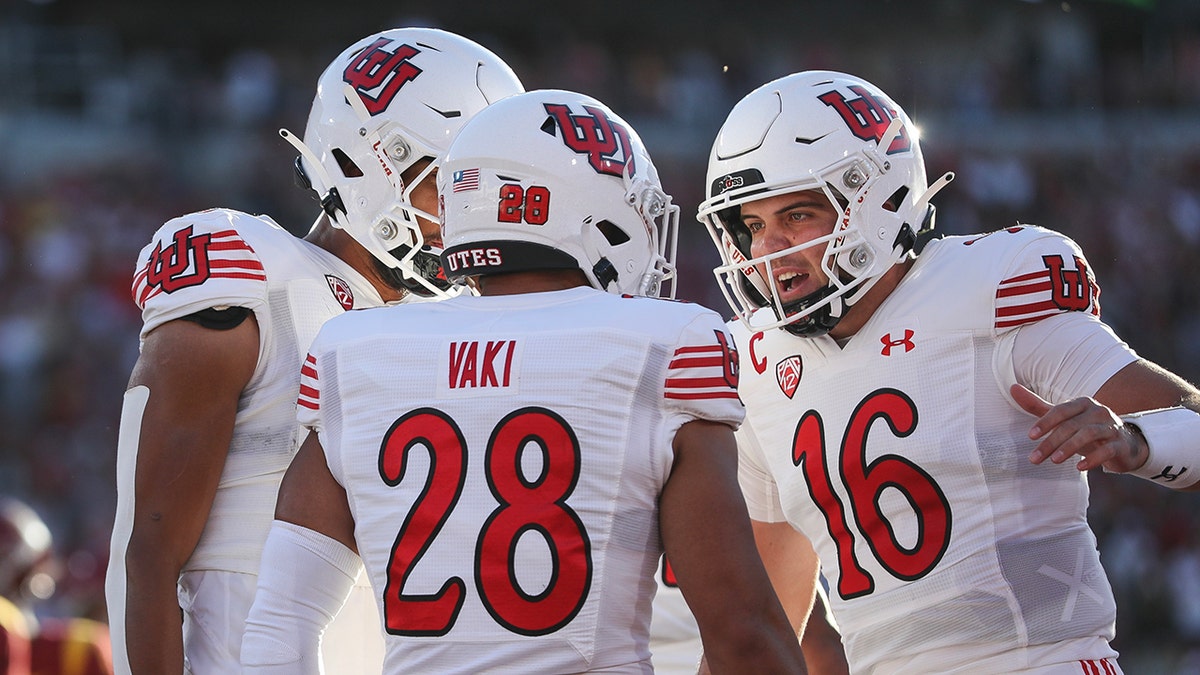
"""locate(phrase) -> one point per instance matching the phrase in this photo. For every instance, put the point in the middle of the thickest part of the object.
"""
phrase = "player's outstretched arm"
(189, 379)
(1111, 430)
(309, 565)
(707, 535)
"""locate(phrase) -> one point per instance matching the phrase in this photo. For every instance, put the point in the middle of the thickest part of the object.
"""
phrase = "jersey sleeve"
(317, 403)
(1047, 318)
(702, 376)
(308, 405)
(195, 262)
(1067, 356)
(1046, 275)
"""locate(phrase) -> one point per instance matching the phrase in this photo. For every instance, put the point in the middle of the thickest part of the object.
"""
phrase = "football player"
(511, 466)
(230, 302)
(29, 573)
(894, 401)
(15, 658)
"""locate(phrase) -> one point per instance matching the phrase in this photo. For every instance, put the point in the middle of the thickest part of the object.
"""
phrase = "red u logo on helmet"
(605, 142)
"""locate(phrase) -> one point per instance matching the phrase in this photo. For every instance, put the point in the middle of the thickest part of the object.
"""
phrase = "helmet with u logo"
(833, 133)
(384, 104)
(556, 180)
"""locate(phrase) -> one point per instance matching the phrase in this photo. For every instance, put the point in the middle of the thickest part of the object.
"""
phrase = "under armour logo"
(1076, 583)
(889, 343)
(1166, 476)
(604, 141)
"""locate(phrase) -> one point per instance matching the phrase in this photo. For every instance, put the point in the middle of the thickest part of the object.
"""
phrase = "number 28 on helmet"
(556, 180)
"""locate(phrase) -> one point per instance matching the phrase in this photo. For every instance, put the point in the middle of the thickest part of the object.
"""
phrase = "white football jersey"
(503, 458)
(225, 258)
(903, 458)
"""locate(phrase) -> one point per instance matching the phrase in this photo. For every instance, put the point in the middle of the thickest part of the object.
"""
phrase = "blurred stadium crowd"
(1082, 117)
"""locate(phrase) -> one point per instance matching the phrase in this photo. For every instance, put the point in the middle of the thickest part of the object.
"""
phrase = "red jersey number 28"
(524, 506)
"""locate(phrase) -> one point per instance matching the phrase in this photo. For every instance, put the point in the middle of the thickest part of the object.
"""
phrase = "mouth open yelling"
(791, 282)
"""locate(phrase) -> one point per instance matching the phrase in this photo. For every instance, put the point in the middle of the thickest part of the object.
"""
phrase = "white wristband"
(1173, 436)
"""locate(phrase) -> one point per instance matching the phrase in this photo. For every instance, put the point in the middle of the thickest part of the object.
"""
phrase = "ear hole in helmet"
(347, 165)
(893, 203)
(613, 233)
(549, 126)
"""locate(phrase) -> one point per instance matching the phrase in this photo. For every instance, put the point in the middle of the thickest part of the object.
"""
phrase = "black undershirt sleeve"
(219, 319)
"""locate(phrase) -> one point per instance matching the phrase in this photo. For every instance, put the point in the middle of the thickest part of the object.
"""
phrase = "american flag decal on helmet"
(465, 179)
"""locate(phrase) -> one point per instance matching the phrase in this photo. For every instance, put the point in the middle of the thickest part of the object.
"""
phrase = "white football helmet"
(827, 131)
(385, 103)
(556, 180)
(26, 551)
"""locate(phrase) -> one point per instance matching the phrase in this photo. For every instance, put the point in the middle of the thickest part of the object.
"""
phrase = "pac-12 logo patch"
(787, 374)
(341, 291)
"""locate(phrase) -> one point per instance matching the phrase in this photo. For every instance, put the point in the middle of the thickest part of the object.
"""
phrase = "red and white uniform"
(904, 460)
(225, 258)
(529, 542)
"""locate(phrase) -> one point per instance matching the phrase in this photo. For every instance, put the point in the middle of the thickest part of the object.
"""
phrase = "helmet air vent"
(893, 203)
(347, 165)
(612, 232)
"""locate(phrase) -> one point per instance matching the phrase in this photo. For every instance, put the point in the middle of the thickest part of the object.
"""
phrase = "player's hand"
(1082, 427)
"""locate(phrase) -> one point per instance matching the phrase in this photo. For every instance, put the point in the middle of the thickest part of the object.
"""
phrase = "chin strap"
(323, 190)
(925, 198)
